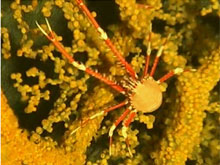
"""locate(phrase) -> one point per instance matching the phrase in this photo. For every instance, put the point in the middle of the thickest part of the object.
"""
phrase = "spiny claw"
(41, 29)
(48, 25)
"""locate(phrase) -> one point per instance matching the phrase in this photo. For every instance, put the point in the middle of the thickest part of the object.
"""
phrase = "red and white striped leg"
(125, 128)
(113, 127)
(170, 74)
(159, 53)
(147, 58)
(59, 46)
(108, 42)
(102, 113)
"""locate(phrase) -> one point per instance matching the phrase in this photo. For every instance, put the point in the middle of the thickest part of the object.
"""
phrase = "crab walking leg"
(117, 122)
(100, 114)
(58, 45)
(147, 58)
(108, 42)
(125, 128)
(170, 74)
(159, 53)
(105, 80)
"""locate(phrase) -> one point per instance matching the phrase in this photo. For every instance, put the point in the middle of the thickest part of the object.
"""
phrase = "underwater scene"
(110, 82)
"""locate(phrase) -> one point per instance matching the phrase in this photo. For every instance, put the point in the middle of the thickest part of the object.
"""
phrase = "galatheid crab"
(143, 94)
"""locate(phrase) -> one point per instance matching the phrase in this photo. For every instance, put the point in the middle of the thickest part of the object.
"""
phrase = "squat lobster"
(143, 93)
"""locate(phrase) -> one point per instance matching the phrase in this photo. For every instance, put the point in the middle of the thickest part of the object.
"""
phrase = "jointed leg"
(125, 128)
(99, 114)
(172, 73)
(159, 53)
(147, 58)
(106, 39)
(59, 46)
(117, 122)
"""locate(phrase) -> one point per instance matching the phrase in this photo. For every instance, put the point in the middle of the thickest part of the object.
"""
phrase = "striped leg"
(172, 73)
(159, 53)
(59, 46)
(125, 128)
(99, 114)
(117, 122)
(147, 58)
(108, 42)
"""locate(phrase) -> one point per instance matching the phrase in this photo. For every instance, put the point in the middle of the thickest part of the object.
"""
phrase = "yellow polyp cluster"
(214, 107)
(61, 111)
(148, 120)
(68, 13)
(125, 44)
(46, 10)
(104, 159)
(135, 161)
(119, 147)
(58, 98)
(184, 132)
(18, 10)
(92, 105)
(47, 52)
(26, 50)
(6, 46)
(209, 140)
(213, 6)
(171, 56)
(59, 3)
(18, 149)
(138, 18)
(31, 93)
(138, 63)
(25, 8)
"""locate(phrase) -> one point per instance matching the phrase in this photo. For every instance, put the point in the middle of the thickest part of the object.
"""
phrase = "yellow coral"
(76, 100)
(184, 132)
(6, 46)
(18, 149)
